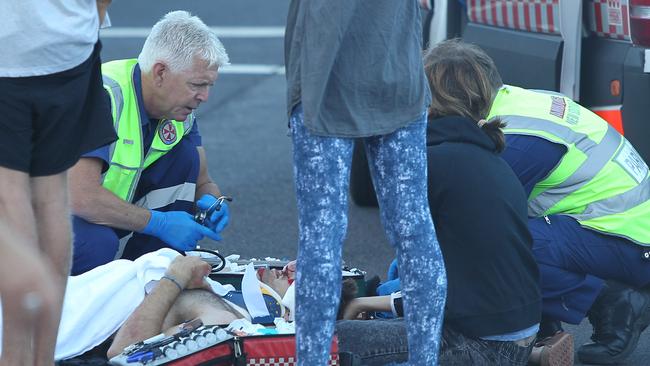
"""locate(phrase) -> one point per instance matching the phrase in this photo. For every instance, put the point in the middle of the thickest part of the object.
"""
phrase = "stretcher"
(200, 344)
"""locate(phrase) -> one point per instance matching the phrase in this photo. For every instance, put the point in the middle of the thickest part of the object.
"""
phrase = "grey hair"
(177, 39)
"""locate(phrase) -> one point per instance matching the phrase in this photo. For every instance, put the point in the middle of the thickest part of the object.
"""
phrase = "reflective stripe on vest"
(117, 103)
(597, 155)
(601, 180)
(159, 198)
(126, 155)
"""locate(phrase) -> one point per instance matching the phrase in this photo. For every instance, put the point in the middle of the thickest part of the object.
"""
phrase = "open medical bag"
(211, 345)
(268, 350)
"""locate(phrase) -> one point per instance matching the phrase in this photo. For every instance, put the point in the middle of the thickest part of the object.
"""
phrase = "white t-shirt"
(41, 37)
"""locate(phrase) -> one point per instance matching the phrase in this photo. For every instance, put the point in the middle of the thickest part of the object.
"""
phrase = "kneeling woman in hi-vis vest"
(588, 200)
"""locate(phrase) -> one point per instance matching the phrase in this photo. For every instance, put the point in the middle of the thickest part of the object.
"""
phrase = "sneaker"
(556, 350)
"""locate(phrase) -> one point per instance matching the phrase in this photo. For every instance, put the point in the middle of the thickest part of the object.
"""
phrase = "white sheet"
(99, 301)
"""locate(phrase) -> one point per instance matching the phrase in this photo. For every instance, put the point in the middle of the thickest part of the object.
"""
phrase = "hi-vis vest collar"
(126, 155)
(601, 180)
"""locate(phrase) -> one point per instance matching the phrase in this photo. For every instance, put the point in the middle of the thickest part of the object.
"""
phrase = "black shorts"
(47, 122)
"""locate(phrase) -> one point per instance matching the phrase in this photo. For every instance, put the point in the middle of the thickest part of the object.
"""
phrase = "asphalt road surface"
(244, 126)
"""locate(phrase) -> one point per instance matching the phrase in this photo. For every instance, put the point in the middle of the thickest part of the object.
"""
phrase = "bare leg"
(15, 205)
(52, 213)
(25, 284)
(50, 203)
(27, 299)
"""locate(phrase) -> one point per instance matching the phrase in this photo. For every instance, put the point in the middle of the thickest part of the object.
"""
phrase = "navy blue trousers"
(169, 184)
(574, 261)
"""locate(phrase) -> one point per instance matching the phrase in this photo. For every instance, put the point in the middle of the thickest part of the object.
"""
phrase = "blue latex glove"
(178, 229)
(218, 220)
(393, 271)
(392, 284)
(389, 287)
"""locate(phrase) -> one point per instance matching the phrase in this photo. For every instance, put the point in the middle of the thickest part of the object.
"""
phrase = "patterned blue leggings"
(398, 166)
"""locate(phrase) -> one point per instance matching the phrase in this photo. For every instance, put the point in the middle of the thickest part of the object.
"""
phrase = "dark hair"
(464, 81)
(494, 132)
(348, 292)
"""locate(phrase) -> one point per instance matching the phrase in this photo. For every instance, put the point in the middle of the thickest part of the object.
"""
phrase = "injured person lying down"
(125, 302)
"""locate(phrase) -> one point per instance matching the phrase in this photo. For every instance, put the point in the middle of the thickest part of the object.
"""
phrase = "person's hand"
(389, 287)
(178, 229)
(218, 219)
(189, 271)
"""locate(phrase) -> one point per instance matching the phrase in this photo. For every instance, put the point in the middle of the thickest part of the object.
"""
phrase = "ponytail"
(494, 132)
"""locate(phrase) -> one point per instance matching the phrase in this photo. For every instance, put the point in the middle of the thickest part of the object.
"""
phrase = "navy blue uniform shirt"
(531, 158)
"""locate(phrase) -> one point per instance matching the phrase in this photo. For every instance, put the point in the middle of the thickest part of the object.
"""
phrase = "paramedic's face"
(275, 279)
(183, 91)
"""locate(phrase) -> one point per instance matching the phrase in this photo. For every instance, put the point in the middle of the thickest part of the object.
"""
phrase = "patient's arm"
(147, 319)
(364, 304)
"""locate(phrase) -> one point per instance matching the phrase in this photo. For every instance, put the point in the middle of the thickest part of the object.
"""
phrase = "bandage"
(289, 300)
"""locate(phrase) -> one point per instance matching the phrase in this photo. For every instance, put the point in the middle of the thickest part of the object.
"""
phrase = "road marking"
(222, 32)
(252, 69)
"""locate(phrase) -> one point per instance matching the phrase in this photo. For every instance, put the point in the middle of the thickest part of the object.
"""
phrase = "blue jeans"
(381, 342)
(399, 170)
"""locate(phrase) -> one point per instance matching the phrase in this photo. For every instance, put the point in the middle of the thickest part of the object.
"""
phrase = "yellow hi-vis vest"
(601, 180)
(126, 155)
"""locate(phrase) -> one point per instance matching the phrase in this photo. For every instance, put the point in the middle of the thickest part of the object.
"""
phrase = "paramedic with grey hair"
(139, 194)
